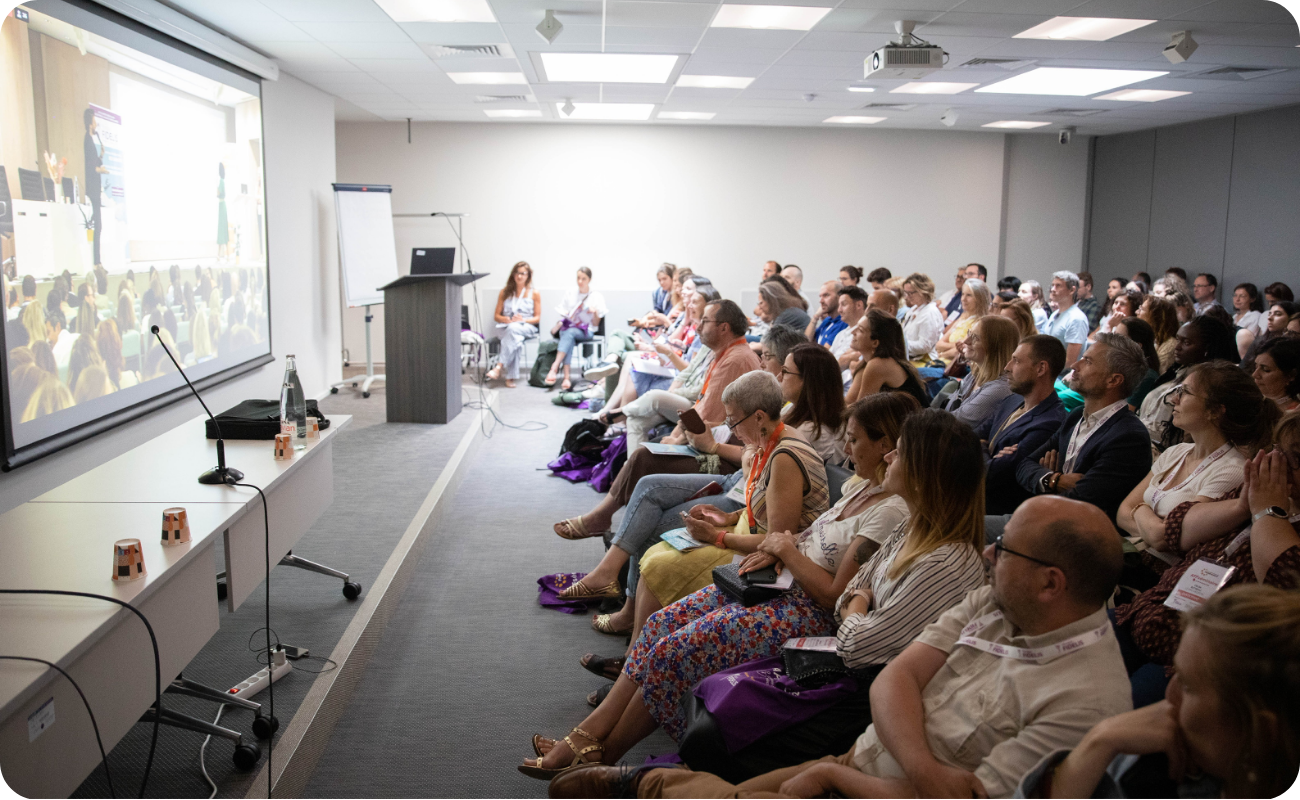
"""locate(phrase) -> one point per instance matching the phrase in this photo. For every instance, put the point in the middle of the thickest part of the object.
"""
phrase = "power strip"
(258, 680)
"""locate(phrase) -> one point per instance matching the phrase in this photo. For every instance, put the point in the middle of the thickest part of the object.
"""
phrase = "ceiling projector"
(907, 57)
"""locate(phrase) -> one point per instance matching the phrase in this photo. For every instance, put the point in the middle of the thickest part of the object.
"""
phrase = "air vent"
(502, 98)
(912, 57)
(892, 106)
(1234, 73)
(1071, 112)
(1008, 64)
(471, 51)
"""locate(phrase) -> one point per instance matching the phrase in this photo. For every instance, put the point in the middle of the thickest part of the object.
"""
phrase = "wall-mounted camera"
(1065, 135)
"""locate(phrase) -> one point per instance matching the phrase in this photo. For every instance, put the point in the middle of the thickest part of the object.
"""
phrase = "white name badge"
(823, 644)
(1199, 582)
(737, 492)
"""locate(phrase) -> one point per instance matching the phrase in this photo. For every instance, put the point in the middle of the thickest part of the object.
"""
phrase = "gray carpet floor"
(470, 665)
(382, 473)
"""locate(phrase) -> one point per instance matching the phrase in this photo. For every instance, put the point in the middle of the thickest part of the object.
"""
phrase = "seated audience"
(925, 567)
(1141, 332)
(84, 354)
(1101, 451)
(662, 300)
(706, 632)
(1068, 322)
(878, 276)
(852, 306)
(1227, 728)
(1274, 325)
(975, 303)
(517, 314)
(1089, 305)
(850, 275)
(883, 367)
(1018, 312)
(794, 276)
(987, 349)
(1032, 293)
(885, 300)
(1126, 304)
(1023, 421)
(950, 301)
(776, 346)
(1247, 311)
(92, 383)
(810, 386)
(722, 329)
(580, 313)
(922, 321)
(679, 343)
(49, 396)
(1162, 316)
(1009, 283)
(827, 322)
(952, 716)
(1183, 306)
(1274, 293)
(1277, 371)
(1202, 339)
(778, 304)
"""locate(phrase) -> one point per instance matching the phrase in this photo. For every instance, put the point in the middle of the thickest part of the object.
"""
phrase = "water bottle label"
(289, 426)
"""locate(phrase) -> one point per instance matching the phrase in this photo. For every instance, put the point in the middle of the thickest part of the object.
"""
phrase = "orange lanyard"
(709, 375)
(756, 469)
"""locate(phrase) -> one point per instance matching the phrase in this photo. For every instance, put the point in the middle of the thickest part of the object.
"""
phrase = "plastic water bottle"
(297, 403)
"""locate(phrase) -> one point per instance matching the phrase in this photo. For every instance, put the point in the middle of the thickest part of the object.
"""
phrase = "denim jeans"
(570, 338)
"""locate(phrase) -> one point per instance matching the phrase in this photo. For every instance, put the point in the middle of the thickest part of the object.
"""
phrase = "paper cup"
(313, 428)
(283, 447)
(175, 526)
(128, 560)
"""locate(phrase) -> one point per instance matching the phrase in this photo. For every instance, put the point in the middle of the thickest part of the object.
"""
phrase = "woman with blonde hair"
(92, 383)
(1019, 313)
(517, 315)
(1161, 314)
(49, 397)
(1032, 293)
(976, 300)
(987, 348)
(201, 336)
(24, 378)
(922, 320)
(33, 319)
(84, 354)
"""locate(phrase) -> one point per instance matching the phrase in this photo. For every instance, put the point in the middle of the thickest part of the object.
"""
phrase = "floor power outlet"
(259, 680)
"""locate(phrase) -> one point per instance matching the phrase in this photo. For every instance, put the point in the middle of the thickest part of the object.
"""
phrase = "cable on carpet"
(270, 684)
(157, 664)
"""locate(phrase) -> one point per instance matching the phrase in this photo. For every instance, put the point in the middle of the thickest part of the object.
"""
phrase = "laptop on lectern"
(433, 260)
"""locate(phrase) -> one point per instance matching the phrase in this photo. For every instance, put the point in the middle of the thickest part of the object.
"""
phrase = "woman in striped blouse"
(926, 566)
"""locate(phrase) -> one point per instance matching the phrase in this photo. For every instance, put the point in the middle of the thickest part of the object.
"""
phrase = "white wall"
(622, 199)
(1047, 199)
(299, 151)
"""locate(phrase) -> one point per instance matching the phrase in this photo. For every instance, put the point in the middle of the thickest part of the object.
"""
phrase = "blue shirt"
(662, 301)
(827, 330)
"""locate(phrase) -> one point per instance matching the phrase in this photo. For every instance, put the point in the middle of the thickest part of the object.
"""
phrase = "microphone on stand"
(220, 473)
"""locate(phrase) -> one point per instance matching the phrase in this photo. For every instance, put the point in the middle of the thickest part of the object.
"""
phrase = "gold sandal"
(535, 770)
(579, 591)
(573, 529)
(540, 741)
(600, 623)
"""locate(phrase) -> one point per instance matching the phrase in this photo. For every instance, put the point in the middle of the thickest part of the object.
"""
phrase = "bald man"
(794, 276)
(1019, 669)
(884, 300)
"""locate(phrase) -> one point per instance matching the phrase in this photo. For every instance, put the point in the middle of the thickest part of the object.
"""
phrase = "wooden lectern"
(422, 343)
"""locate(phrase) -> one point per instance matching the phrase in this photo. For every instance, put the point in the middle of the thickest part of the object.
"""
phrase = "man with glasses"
(1204, 289)
(1021, 668)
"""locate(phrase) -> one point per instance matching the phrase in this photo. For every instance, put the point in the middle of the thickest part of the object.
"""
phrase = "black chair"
(29, 183)
(597, 343)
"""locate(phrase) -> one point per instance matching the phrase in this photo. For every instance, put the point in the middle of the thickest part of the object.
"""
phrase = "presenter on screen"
(94, 168)
(519, 309)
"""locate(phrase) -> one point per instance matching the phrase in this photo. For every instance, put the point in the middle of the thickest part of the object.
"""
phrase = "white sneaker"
(602, 371)
(594, 391)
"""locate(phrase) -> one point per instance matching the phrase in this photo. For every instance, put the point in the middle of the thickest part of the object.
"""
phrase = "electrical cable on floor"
(157, 660)
(270, 684)
(296, 662)
(203, 748)
(103, 757)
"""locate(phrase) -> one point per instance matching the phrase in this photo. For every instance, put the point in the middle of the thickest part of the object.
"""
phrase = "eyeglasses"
(705, 320)
(785, 371)
(999, 548)
(733, 425)
(766, 356)
(1179, 391)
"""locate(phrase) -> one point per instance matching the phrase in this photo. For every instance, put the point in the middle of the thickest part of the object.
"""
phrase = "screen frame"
(101, 21)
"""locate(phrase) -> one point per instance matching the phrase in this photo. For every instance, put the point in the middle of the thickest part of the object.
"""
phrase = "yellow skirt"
(672, 575)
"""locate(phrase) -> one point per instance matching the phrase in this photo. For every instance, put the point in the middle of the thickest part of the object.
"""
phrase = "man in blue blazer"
(1023, 421)
(1102, 450)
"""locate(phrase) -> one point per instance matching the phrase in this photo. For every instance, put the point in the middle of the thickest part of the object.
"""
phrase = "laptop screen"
(433, 260)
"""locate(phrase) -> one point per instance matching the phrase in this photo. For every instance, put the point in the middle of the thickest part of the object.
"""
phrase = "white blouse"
(589, 306)
(1248, 320)
(827, 539)
(1220, 472)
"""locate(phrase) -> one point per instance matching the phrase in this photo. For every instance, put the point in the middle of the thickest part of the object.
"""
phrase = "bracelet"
(721, 540)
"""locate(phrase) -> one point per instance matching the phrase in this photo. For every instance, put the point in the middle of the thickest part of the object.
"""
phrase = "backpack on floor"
(584, 438)
(546, 352)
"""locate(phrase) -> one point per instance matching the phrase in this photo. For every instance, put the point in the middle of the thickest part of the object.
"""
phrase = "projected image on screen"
(132, 194)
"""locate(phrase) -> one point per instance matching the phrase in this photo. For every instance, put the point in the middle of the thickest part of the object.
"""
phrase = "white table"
(63, 540)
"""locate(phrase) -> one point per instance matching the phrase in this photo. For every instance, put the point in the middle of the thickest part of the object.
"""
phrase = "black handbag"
(256, 419)
(739, 587)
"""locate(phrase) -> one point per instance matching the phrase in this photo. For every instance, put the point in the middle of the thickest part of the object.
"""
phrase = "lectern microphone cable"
(270, 666)
(157, 667)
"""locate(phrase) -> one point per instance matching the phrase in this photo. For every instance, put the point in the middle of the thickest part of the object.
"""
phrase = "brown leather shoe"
(596, 780)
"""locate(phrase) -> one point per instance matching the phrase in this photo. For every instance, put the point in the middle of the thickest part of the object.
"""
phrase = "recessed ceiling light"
(1141, 95)
(437, 10)
(488, 77)
(511, 113)
(713, 82)
(607, 67)
(782, 18)
(862, 88)
(610, 111)
(855, 120)
(1072, 81)
(932, 87)
(1083, 29)
(1015, 123)
(687, 114)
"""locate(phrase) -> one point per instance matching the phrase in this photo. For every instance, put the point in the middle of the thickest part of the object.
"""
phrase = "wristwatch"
(1045, 483)
(1271, 511)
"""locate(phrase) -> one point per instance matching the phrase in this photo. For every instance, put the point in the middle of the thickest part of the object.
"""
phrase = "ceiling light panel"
(511, 113)
(862, 88)
(1141, 95)
(1070, 81)
(932, 87)
(855, 120)
(781, 18)
(607, 67)
(1083, 29)
(1015, 124)
(713, 82)
(608, 111)
(466, 78)
(437, 10)
(687, 114)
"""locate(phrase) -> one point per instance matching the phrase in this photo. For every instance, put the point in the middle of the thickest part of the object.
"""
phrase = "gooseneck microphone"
(220, 473)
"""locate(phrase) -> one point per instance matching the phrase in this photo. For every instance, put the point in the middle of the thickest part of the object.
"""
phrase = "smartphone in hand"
(691, 421)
